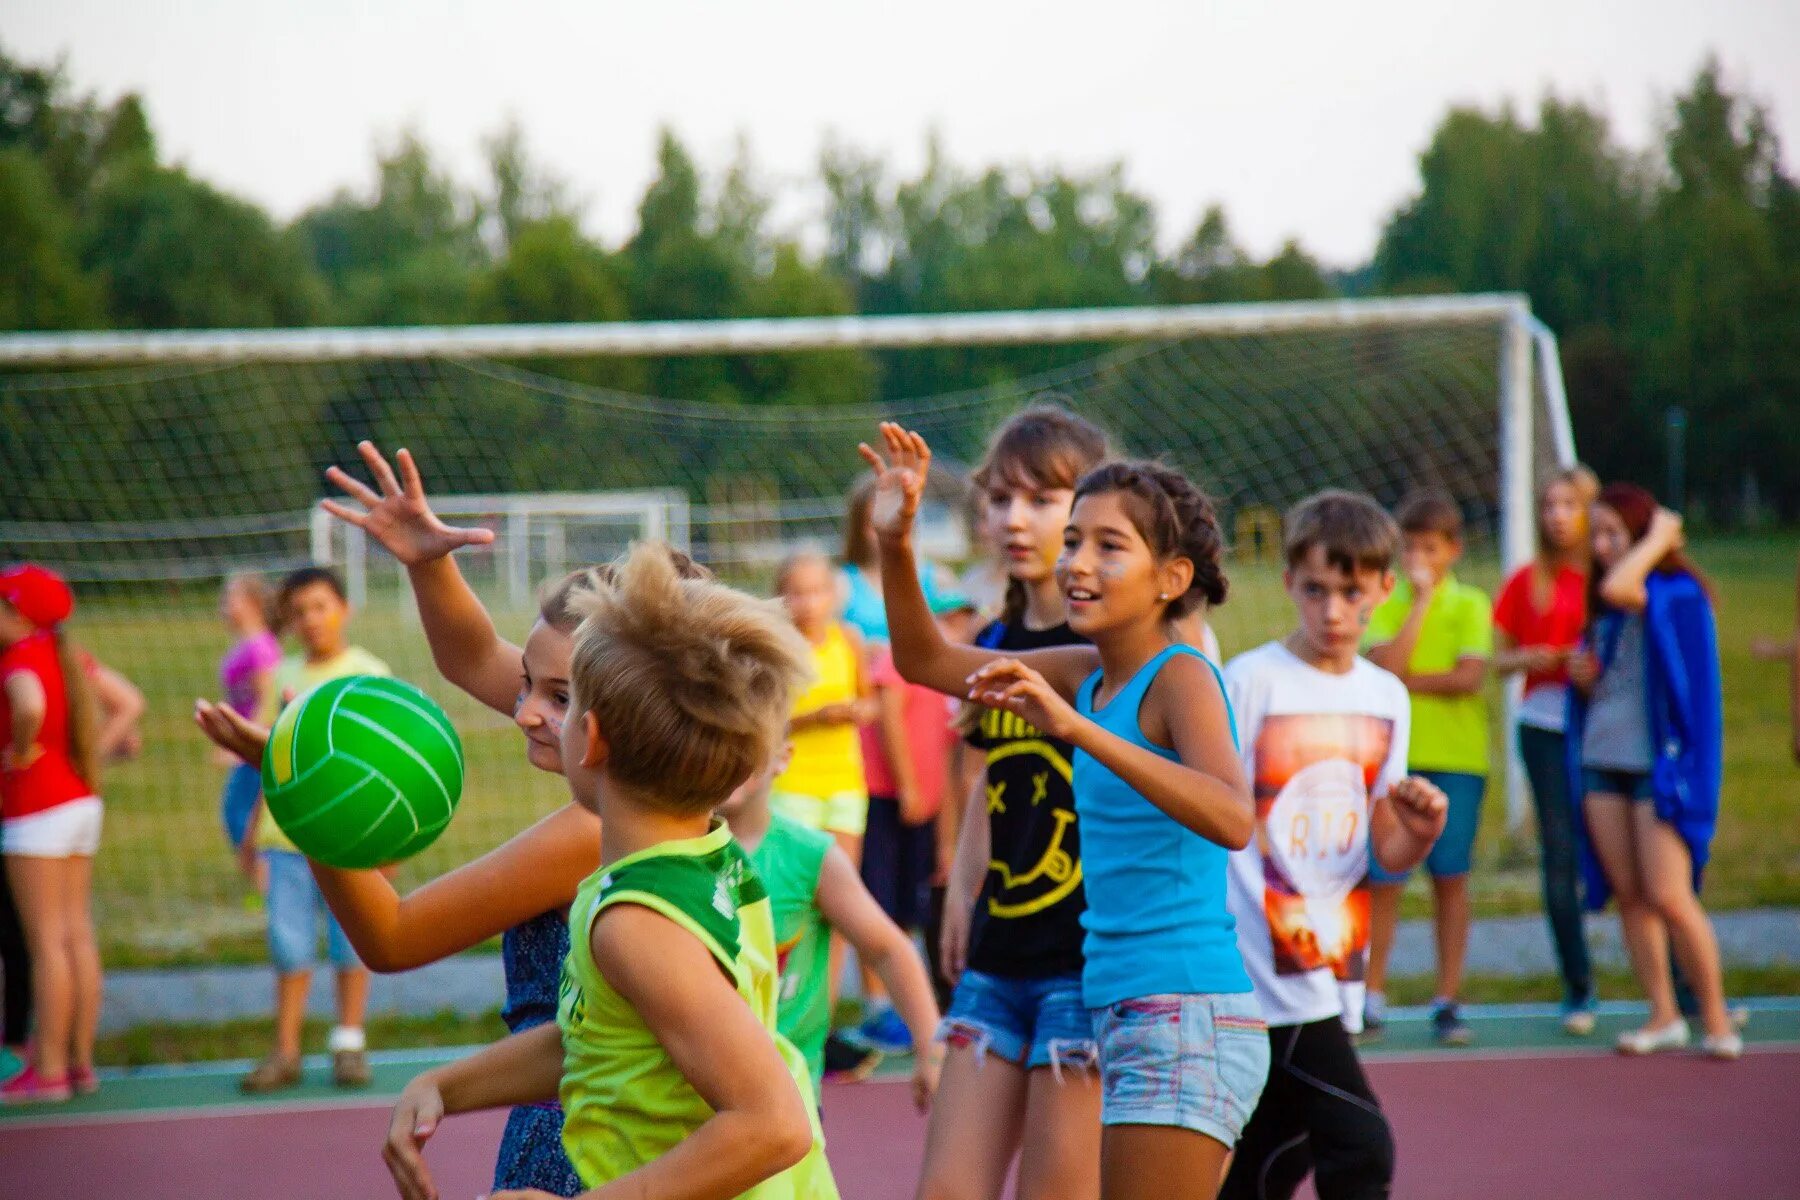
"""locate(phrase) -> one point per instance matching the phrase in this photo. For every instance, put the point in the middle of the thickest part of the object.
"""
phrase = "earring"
(1162, 597)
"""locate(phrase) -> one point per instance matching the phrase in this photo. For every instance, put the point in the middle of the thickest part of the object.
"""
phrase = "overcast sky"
(1304, 119)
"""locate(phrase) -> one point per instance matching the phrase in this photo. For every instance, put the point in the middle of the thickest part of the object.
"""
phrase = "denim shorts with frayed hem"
(1028, 1022)
(1194, 1061)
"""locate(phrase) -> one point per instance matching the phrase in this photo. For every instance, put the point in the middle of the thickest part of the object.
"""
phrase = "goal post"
(149, 465)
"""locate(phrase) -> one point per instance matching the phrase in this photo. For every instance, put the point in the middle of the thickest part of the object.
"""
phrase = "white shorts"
(72, 828)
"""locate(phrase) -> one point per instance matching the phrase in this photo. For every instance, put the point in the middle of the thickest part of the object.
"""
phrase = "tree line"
(1672, 275)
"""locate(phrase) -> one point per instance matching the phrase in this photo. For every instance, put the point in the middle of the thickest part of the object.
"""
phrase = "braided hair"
(1175, 519)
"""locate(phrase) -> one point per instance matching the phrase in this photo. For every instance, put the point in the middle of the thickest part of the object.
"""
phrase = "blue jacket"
(1681, 670)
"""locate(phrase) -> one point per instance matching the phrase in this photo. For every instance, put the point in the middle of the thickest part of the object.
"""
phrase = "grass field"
(167, 890)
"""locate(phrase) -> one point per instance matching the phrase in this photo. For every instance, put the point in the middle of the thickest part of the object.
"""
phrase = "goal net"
(146, 467)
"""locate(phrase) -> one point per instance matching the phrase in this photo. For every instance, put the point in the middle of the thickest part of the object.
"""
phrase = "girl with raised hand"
(1018, 1077)
(1645, 750)
(1159, 791)
(520, 890)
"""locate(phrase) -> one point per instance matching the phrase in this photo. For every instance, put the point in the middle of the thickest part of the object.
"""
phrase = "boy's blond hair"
(691, 681)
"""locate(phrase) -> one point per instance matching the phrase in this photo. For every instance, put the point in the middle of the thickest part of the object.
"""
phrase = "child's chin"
(544, 758)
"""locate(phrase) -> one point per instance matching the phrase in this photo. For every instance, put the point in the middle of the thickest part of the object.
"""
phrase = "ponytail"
(84, 723)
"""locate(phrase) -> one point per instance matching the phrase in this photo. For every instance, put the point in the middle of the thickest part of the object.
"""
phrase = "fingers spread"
(354, 486)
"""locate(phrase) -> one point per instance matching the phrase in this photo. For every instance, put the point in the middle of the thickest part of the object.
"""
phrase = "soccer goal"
(146, 466)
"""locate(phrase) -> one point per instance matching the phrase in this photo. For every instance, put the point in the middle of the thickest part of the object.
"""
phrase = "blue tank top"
(1156, 918)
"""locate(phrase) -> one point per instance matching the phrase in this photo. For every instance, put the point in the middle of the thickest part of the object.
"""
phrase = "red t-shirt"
(1559, 625)
(927, 716)
(52, 779)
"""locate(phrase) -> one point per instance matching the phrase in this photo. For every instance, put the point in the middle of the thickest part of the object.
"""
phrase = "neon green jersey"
(789, 858)
(1449, 733)
(624, 1102)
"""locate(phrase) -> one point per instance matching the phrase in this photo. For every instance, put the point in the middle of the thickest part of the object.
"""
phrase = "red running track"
(1471, 1129)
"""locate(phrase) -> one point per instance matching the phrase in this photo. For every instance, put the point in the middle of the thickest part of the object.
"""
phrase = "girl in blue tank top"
(1160, 798)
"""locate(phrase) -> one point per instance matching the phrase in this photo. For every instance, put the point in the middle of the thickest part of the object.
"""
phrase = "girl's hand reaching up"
(398, 516)
(900, 470)
(1010, 685)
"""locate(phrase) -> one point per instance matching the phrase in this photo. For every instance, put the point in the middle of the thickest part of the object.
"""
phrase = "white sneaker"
(1672, 1036)
(1578, 1022)
(1725, 1046)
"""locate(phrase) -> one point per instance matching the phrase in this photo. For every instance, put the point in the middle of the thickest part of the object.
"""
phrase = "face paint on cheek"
(1112, 572)
(554, 724)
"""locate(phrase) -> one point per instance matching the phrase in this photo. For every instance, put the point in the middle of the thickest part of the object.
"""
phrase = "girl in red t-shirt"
(1538, 620)
(50, 827)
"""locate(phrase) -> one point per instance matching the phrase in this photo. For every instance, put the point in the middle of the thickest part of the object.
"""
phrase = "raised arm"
(466, 647)
(1395, 654)
(536, 871)
(1623, 585)
(759, 1125)
(921, 652)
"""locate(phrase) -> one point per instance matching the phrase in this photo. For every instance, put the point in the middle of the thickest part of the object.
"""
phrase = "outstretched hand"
(398, 516)
(1010, 685)
(231, 732)
(1421, 807)
(901, 467)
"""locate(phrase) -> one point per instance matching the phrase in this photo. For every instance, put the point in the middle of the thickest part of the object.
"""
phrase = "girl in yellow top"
(823, 786)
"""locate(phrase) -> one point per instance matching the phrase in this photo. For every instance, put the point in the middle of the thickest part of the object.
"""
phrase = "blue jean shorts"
(295, 906)
(243, 784)
(1028, 1022)
(1633, 785)
(1454, 852)
(1195, 1061)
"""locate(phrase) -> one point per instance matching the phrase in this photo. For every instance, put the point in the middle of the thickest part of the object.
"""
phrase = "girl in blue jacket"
(1644, 752)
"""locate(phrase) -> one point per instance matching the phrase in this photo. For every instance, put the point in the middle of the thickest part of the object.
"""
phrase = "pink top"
(927, 717)
(240, 666)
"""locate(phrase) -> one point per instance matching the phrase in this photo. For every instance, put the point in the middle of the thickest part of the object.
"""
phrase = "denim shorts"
(1028, 1022)
(243, 784)
(295, 906)
(1633, 785)
(1195, 1061)
(1454, 852)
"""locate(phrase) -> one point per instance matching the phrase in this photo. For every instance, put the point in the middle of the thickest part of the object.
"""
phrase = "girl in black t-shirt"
(1019, 1076)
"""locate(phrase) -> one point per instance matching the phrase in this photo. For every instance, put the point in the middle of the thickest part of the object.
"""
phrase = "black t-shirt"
(1027, 920)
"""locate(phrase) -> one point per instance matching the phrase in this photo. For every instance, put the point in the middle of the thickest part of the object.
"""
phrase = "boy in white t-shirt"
(1323, 735)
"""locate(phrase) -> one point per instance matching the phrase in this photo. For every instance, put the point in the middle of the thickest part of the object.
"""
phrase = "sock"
(346, 1037)
(1438, 1002)
(1375, 1004)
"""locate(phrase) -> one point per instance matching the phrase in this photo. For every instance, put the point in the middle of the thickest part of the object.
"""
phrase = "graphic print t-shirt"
(1027, 921)
(1318, 749)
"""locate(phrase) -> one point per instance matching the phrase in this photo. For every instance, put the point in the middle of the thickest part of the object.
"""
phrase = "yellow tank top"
(827, 758)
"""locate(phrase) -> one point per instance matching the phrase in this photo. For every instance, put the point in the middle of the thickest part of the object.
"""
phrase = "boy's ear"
(784, 755)
(596, 750)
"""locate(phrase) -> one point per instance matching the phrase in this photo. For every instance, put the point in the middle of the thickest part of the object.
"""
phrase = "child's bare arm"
(1395, 655)
(1464, 679)
(884, 948)
(760, 1126)
(535, 872)
(890, 724)
(25, 696)
(921, 652)
(466, 647)
(121, 706)
(522, 1069)
(1406, 822)
(1203, 789)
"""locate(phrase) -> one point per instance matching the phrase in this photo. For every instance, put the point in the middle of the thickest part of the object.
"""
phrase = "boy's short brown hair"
(555, 600)
(1355, 532)
(1430, 510)
(691, 681)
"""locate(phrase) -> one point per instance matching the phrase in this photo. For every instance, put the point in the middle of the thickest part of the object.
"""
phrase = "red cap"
(38, 593)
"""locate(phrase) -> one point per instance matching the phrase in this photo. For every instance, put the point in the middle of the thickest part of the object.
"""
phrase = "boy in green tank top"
(672, 1078)
(814, 890)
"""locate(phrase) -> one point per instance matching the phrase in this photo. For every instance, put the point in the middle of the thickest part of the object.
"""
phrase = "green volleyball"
(362, 771)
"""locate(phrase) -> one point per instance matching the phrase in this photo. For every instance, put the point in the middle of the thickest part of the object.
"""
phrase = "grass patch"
(160, 1045)
(167, 891)
(1610, 984)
